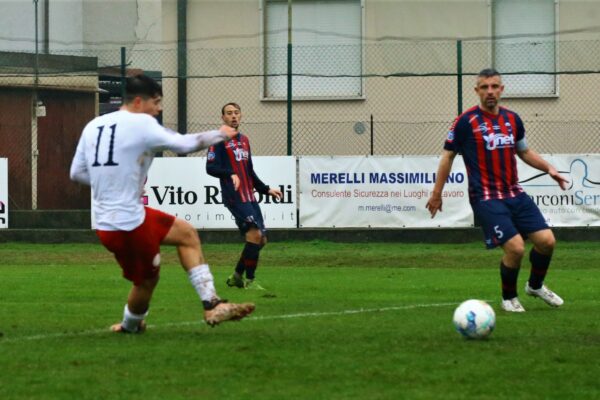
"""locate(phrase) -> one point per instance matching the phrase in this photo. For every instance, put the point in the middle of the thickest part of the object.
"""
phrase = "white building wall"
(86, 27)
(225, 37)
(66, 26)
(18, 28)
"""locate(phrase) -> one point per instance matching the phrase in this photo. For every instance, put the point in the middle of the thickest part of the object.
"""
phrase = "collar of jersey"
(490, 115)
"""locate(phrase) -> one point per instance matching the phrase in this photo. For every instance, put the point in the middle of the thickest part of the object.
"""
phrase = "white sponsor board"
(3, 193)
(379, 192)
(579, 205)
(181, 186)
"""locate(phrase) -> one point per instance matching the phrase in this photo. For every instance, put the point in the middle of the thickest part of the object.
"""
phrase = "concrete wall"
(66, 26)
(85, 27)
(225, 38)
(18, 27)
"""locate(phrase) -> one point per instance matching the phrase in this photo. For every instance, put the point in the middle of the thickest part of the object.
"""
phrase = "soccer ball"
(474, 319)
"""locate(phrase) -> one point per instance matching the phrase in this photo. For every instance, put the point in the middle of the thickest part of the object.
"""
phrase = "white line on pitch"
(257, 318)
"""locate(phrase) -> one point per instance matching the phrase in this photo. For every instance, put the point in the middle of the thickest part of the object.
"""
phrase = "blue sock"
(509, 281)
(248, 260)
(539, 268)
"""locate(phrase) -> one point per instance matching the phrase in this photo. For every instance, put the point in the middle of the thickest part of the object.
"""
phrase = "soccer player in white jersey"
(113, 157)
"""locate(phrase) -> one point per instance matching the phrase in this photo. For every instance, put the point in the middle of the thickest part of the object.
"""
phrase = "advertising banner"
(579, 205)
(379, 192)
(3, 193)
(181, 186)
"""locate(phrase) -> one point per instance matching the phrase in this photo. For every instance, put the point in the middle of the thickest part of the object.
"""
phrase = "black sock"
(539, 268)
(509, 281)
(240, 268)
(248, 260)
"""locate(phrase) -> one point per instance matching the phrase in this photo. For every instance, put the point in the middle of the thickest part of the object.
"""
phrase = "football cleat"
(223, 311)
(512, 305)
(118, 328)
(251, 284)
(551, 298)
(236, 280)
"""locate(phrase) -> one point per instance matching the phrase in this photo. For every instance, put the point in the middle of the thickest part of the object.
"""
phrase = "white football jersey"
(113, 157)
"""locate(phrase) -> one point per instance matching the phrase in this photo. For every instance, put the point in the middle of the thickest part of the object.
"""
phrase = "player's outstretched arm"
(204, 140)
(434, 204)
(561, 180)
(533, 159)
(160, 138)
(260, 186)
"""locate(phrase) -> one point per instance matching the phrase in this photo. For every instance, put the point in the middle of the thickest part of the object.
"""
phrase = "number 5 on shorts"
(499, 233)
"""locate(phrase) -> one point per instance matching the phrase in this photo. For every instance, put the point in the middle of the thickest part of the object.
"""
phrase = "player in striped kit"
(488, 137)
(113, 156)
(231, 162)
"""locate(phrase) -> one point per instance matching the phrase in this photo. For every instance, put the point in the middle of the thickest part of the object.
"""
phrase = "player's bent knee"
(148, 284)
(182, 234)
(515, 247)
(516, 253)
(544, 241)
(255, 236)
(191, 236)
(550, 243)
(547, 245)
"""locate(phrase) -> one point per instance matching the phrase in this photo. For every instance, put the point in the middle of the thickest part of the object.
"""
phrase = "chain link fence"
(385, 98)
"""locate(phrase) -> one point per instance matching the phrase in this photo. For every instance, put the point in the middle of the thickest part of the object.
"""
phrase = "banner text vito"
(180, 186)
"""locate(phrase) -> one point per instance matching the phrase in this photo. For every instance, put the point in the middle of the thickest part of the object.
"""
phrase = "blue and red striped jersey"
(234, 157)
(488, 144)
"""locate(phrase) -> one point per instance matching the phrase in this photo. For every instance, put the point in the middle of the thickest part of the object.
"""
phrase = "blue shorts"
(503, 219)
(247, 215)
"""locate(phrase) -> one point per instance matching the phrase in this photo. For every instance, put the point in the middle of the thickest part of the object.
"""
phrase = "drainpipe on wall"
(46, 40)
(289, 81)
(34, 115)
(182, 66)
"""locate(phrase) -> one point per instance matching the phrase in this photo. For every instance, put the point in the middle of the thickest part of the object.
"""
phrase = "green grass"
(340, 321)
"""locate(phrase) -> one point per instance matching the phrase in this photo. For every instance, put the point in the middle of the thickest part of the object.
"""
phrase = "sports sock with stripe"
(248, 260)
(539, 267)
(509, 281)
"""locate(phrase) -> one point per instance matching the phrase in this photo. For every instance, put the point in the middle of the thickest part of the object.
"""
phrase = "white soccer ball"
(474, 319)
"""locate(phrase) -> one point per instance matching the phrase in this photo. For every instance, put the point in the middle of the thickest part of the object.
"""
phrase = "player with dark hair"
(488, 137)
(113, 156)
(231, 162)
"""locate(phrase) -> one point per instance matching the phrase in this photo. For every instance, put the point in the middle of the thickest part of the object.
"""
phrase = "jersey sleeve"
(258, 184)
(520, 128)
(216, 162)
(79, 171)
(456, 134)
(521, 141)
(159, 138)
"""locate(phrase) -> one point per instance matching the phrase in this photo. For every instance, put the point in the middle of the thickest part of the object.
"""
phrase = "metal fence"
(405, 97)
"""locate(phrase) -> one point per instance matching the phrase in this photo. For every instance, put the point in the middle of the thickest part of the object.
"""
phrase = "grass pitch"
(339, 321)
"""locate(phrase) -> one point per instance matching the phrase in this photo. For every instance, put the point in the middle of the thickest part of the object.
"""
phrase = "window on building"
(326, 48)
(525, 41)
